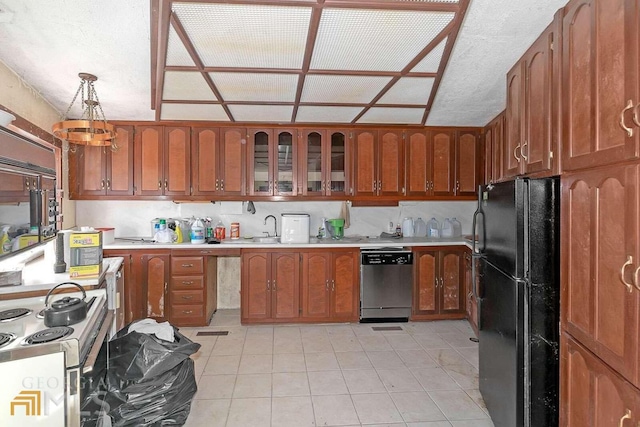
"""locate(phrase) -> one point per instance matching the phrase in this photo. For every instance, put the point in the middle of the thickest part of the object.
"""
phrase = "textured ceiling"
(48, 43)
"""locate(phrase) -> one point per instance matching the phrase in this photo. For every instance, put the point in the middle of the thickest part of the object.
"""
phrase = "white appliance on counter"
(295, 228)
(47, 372)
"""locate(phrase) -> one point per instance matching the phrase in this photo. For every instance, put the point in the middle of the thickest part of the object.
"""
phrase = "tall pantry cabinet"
(600, 295)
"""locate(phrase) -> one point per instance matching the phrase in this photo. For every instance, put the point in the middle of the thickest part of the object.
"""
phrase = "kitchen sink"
(265, 239)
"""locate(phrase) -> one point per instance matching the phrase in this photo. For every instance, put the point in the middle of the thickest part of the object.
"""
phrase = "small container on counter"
(220, 231)
(235, 230)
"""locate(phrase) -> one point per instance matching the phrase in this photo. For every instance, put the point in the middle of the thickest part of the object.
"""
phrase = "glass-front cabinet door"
(313, 174)
(285, 163)
(337, 164)
(260, 172)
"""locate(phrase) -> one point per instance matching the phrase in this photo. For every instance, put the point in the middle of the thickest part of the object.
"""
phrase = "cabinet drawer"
(187, 265)
(187, 297)
(187, 311)
(187, 282)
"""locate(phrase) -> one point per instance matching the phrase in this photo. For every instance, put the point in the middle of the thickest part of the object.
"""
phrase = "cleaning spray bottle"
(5, 241)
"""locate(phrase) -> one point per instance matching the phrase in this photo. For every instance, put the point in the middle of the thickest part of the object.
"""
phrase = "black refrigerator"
(517, 267)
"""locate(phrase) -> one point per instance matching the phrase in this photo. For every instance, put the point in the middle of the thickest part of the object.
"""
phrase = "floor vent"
(212, 333)
(386, 328)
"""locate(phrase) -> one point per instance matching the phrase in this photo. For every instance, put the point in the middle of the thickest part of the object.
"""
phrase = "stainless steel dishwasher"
(386, 281)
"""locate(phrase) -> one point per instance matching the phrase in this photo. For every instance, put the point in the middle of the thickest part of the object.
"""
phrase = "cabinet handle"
(273, 285)
(159, 185)
(326, 284)
(379, 185)
(626, 416)
(187, 296)
(333, 285)
(629, 262)
(323, 186)
(102, 184)
(635, 278)
(187, 311)
(636, 117)
(222, 185)
(187, 265)
(217, 184)
(457, 186)
(108, 184)
(526, 144)
(515, 153)
(621, 123)
(268, 285)
(187, 282)
(166, 184)
(374, 186)
(328, 185)
(205, 252)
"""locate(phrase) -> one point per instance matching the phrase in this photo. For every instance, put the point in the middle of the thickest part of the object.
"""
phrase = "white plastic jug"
(197, 232)
(419, 228)
(407, 227)
(447, 228)
(433, 228)
(457, 227)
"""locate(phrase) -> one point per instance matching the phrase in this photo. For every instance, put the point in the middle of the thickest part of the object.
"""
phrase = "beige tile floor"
(425, 375)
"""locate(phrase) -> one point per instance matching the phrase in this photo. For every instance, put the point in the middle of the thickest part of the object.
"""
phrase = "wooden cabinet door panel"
(344, 286)
(599, 66)
(451, 278)
(285, 268)
(390, 163)
(539, 65)
(467, 163)
(205, 161)
(314, 167)
(364, 146)
(285, 166)
(442, 143)
(513, 121)
(120, 164)
(233, 154)
(155, 275)
(260, 161)
(149, 161)
(592, 395)
(418, 161)
(316, 278)
(177, 160)
(426, 271)
(93, 163)
(338, 163)
(600, 252)
(498, 148)
(256, 294)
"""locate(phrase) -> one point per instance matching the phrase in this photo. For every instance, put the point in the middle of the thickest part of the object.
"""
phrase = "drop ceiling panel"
(342, 89)
(256, 86)
(261, 113)
(322, 114)
(409, 90)
(236, 35)
(393, 115)
(212, 112)
(176, 52)
(186, 85)
(374, 40)
(431, 62)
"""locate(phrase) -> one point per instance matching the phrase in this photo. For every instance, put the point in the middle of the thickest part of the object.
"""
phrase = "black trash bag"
(164, 400)
(135, 356)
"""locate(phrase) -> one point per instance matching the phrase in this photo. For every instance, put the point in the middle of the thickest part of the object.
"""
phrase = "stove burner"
(6, 338)
(48, 335)
(13, 314)
(40, 314)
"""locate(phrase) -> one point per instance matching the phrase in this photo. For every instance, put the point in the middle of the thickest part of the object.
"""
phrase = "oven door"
(89, 400)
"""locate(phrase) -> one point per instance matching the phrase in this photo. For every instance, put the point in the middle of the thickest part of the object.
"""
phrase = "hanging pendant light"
(92, 128)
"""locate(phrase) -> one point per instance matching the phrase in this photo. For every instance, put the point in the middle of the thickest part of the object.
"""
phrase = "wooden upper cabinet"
(600, 74)
(365, 160)
(600, 255)
(217, 161)
(390, 163)
(106, 171)
(338, 163)
(468, 166)
(418, 163)
(149, 168)
(177, 161)
(272, 162)
(260, 155)
(531, 115)
(285, 162)
(323, 163)
(442, 183)
(494, 149)
(592, 395)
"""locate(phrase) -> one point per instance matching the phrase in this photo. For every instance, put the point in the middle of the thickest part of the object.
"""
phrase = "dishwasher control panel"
(378, 257)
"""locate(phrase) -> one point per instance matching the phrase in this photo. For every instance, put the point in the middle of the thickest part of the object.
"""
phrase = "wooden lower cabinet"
(270, 286)
(471, 301)
(178, 285)
(592, 394)
(330, 285)
(439, 290)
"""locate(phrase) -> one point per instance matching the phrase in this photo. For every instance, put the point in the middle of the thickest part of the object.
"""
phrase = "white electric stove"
(46, 370)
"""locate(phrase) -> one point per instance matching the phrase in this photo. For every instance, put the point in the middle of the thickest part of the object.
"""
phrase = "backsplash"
(132, 218)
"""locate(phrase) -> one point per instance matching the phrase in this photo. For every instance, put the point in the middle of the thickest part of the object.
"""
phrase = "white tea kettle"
(407, 227)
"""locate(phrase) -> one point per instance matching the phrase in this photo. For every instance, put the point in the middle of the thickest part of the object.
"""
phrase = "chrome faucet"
(275, 225)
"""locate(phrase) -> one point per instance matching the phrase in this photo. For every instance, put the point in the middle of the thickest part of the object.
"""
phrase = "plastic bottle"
(178, 234)
(420, 228)
(322, 230)
(163, 224)
(220, 231)
(398, 230)
(5, 241)
(407, 227)
(447, 228)
(197, 232)
(433, 228)
(457, 227)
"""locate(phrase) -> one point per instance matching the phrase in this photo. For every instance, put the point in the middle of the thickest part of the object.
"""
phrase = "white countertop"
(355, 241)
(38, 275)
